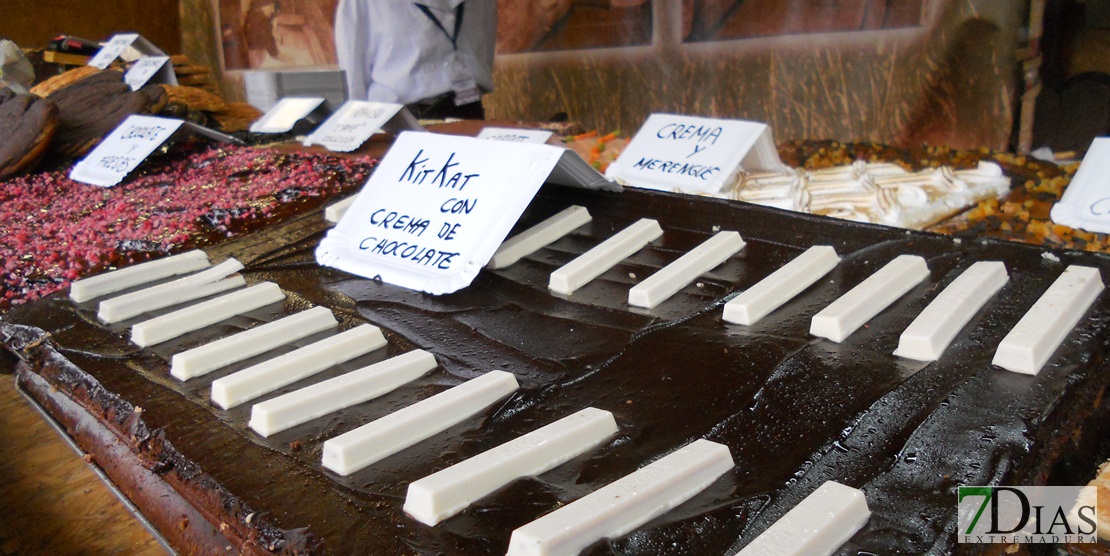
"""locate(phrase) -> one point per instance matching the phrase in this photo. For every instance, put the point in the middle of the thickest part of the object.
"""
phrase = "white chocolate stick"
(667, 281)
(926, 338)
(323, 398)
(201, 284)
(781, 285)
(606, 255)
(625, 504)
(335, 211)
(265, 377)
(1037, 335)
(204, 359)
(818, 526)
(837, 321)
(388, 435)
(448, 492)
(111, 282)
(541, 235)
(195, 317)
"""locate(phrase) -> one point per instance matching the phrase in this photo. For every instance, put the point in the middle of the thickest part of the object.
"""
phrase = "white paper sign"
(1086, 201)
(354, 123)
(146, 68)
(691, 154)
(285, 114)
(436, 209)
(513, 135)
(123, 150)
(129, 46)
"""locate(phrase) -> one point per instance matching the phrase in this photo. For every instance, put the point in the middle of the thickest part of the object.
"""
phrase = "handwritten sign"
(356, 121)
(436, 209)
(129, 46)
(132, 142)
(1086, 201)
(286, 113)
(514, 135)
(691, 154)
(143, 70)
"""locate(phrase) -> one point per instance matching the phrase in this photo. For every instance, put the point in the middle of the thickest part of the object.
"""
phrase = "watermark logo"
(1032, 515)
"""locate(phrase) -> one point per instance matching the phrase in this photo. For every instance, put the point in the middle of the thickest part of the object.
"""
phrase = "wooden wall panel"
(33, 23)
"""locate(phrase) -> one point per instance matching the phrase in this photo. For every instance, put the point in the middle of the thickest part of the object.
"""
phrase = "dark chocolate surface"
(795, 410)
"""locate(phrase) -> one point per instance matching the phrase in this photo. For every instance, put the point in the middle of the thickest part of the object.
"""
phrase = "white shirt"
(392, 52)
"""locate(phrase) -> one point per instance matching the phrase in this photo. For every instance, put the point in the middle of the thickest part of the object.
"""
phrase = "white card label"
(129, 46)
(352, 125)
(1086, 201)
(123, 150)
(513, 135)
(691, 154)
(285, 114)
(436, 209)
(143, 70)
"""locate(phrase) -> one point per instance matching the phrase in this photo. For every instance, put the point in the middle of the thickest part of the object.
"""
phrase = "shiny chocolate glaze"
(795, 410)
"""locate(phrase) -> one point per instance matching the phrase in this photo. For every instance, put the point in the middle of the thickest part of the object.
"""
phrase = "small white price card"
(356, 121)
(514, 135)
(436, 209)
(692, 154)
(1086, 201)
(146, 68)
(130, 144)
(286, 113)
(129, 46)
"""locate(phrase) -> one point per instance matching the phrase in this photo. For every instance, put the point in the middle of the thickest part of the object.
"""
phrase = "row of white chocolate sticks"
(611, 511)
(1025, 349)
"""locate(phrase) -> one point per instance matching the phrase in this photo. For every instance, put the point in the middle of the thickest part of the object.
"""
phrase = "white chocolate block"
(204, 359)
(335, 211)
(837, 321)
(388, 435)
(265, 377)
(541, 235)
(606, 255)
(201, 284)
(926, 338)
(195, 317)
(781, 285)
(675, 276)
(625, 504)
(109, 282)
(322, 398)
(1037, 335)
(448, 492)
(817, 526)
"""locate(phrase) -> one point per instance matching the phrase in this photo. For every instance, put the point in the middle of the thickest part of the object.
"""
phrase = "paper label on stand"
(123, 150)
(1086, 201)
(143, 70)
(513, 135)
(285, 114)
(690, 154)
(352, 125)
(112, 50)
(436, 209)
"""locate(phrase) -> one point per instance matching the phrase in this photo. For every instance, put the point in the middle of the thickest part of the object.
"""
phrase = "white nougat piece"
(448, 492)
(202, 284)
(265, 377)
(781, 285)
(668, 280)
(606, 255)
(541, 235)
(1037, 335)
(817, 526)
(195, 317)
(388, 435)
(204, 359)
(625, 504)
(323, 398)
(837, 321)
(335, 211)
(111, 282)
(926, 338)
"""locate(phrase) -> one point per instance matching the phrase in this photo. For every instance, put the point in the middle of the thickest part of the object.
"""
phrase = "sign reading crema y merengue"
(436, 209)
(693, 155)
